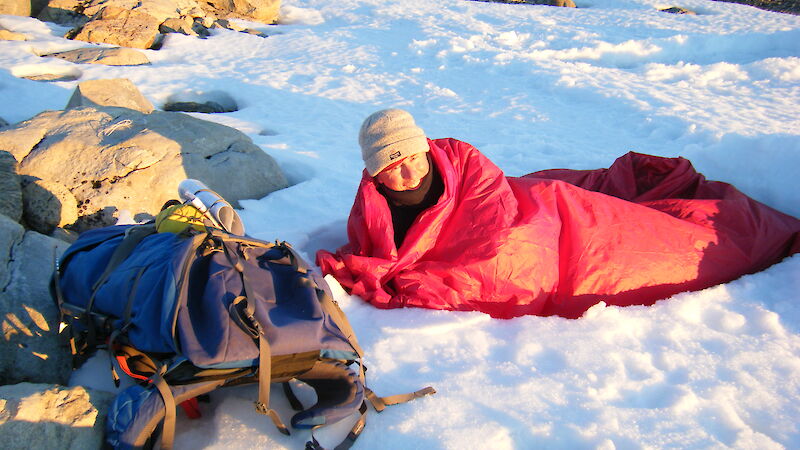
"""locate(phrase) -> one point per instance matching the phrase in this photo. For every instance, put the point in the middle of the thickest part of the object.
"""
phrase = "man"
(435, 224)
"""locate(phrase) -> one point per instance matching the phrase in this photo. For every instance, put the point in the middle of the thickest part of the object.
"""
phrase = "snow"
(533, 87)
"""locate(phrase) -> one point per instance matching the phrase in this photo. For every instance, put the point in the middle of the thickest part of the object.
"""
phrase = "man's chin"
(414, 188)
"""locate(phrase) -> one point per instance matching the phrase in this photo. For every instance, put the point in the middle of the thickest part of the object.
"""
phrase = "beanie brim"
(395, 152)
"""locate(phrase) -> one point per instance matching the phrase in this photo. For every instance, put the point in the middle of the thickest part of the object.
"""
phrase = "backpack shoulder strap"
(133, 236)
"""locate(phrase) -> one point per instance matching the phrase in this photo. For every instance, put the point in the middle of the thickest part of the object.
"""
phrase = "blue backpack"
(186, 313)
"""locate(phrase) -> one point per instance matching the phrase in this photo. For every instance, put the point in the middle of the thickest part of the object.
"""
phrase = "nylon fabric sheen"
(557, 242)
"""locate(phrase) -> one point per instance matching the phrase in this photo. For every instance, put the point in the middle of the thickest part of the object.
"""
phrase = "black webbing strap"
(298, 263)
(168, 428)
(125, 324)
(293, 400)
(133, 236)
(351, 437)
(56, 285)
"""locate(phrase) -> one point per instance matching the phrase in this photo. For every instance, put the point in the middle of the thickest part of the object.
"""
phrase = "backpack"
(188, 312)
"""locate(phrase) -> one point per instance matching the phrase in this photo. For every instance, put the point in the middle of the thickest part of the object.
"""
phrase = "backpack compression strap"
(264, 351)
(264, 380)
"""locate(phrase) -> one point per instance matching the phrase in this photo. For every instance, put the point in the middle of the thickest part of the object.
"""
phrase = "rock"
(47, 205)
(16, 7)
(159, 10)
(118, 56)
(67, 236)
(64, 12)
(8, 35)
(126, 28)
(50, 416)
(57, 76)
(31, 349)
(178, 25)
(10, 188)
(115, 92)
(228, 25)
(265, 11)
(201, 101)
(678, 10)
(207, 107)
(3, 123)
(115, 159)
(185, 25)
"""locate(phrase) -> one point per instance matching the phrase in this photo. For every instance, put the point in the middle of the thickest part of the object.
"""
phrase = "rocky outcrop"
(115, 92)
(143, 23)
(50, 416)
(119, 56)
(114, 159)
(31, 349)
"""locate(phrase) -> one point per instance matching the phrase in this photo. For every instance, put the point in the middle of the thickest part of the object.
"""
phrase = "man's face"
(406, 174)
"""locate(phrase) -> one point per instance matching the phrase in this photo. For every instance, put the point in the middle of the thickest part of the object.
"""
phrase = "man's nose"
(411, 171)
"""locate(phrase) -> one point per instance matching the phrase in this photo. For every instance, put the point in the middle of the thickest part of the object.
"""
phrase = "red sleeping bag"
(557, 241)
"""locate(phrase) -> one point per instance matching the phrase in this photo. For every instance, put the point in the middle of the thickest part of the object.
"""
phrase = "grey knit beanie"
(388, 136)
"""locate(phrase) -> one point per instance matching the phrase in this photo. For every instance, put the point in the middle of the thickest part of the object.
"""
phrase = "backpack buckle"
(262, 408)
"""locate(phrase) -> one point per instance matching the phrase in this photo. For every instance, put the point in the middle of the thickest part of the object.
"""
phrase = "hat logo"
(394, 156)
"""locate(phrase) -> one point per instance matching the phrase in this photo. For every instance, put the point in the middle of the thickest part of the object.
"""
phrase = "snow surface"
(533, 87)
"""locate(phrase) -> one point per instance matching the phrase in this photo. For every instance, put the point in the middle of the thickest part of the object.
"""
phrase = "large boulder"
(114, 159)
(114, 92)
(10, 189)
(31, 349)
(50, 416)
